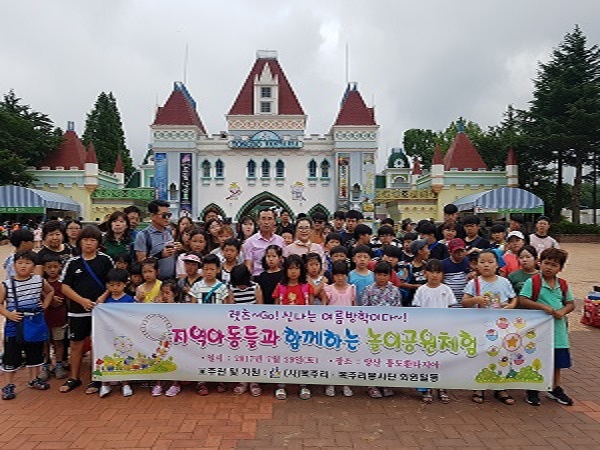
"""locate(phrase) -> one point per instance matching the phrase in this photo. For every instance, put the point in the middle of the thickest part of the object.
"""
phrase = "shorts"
(562, 358)
(80, 328)
(58, 333)
(13, 354)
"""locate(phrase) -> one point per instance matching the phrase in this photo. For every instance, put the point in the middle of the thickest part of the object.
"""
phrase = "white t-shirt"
(437, 297)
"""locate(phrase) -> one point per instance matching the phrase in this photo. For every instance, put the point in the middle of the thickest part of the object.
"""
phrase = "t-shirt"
(215, 293)
(338, 297)
(518, 279)
(78, 278)
(497, 292)
(511, 263)
(183, 283)
(293, 295)
(29, 294)
(361, 282)
(65, 254)
(56, 316)
(438, 251)
(455, 276)
(125, 299)
(554, 299)
(437, 297)
(267, 282)
(254, 248)
(541, 243)
(244, 296)
(478, 242)
(9, 266)
(152, 241)
(374, 295)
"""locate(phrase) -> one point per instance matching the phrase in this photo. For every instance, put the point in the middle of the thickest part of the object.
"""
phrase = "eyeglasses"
(165, 215)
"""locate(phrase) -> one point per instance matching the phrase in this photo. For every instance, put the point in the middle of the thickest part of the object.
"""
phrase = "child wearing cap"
(192, 262)
(456, 268)
(515, 242)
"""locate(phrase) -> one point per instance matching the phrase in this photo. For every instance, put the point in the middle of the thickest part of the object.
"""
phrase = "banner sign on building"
(185, 184)
(368, 170)
(343, 169)
(265, 139)
(161, 176)
(370, 346)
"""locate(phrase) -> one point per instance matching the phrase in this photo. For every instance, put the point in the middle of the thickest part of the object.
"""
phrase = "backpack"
(536, 287)
(283, 292)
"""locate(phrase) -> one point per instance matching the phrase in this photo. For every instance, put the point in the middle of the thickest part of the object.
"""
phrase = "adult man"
(451, 215)
(134, 215)
(157, 241)
(339, 220)
(253, 249)
(285, 223)
(353, 218)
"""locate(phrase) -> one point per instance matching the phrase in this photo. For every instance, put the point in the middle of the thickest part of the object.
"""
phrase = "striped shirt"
(455, 276)
(247, 295)
(29, 294)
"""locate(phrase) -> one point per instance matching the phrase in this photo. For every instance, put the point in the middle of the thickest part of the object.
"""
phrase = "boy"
(209, 289)
(20, 240)
(56, 319)
(353, 218)
(415, 275)
(391, 255)
(191, 262)
(83, 281)
(437, 250)
(407, 240)
(498, 234)
(555, 298)
(385, 236)
(474, 242)
(20, 295)
(361, 276)
(456, 269)
(231, 258)
(362, 235)
(337, 253)
(135, 278)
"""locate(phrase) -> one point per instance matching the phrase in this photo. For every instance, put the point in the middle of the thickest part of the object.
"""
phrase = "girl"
(293, 290)
(243, 291)
(135, 278)
(246, 227)
(489, 290)
(117, 239)
(314, 271)
(149, 290)
(272, 274)
(197, 244)
(212, 228)
(225, 234)
(122, 261)
(340, 293)
(183, 224)
(528, 260)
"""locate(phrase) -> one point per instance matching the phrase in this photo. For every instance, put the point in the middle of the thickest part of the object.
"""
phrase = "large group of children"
(315, 262)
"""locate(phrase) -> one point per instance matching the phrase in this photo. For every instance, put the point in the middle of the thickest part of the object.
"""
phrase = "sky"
(420, 64)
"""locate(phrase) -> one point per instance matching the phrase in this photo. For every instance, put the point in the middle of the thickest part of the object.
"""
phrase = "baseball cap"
(192, 258)
(515, 233)
(456, 244)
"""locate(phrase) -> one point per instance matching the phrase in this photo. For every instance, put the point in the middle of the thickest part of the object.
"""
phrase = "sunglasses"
(166, 215)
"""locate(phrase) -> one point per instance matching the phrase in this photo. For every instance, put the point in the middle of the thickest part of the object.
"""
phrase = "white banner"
(372, 346)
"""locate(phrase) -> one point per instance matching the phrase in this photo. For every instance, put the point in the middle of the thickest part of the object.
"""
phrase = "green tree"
(26, 137)
(420, 143)
(104, 128)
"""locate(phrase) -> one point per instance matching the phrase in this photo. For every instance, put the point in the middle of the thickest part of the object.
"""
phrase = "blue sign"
(265, 139)
(160, 175)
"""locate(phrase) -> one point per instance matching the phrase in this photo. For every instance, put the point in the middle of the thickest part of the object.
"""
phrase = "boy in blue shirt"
(555, 298)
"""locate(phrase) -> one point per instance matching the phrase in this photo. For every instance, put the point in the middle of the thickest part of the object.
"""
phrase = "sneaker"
(330, 391)
(157, 390)
(45, 372)
(173, 391)
(38, 384)
(105, 389)
(60, 372)
(126, 390)
(8, 392)
(374, 392)
(304, 393)
(347, 391)
(387, 392)
(533, 398)
(559, 395)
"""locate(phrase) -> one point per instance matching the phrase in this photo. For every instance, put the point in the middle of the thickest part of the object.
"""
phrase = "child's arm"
(470, 301)
(139, 294)
(324, 297)
(10, 315)
(568, 307)
(103, 297)
(512, 303)
(229, 299)
(527, 303)
(48, 292)
(259, 295)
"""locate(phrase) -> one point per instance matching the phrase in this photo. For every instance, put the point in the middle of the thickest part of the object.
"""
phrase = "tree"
(420, 143)
(564, 117)
(26, 137)
(104, 128)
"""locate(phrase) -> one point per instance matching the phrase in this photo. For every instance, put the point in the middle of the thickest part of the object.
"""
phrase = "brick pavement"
(51, 420)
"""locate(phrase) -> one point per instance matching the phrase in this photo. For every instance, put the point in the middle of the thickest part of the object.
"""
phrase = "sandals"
(201, 389)
(221, 387)
(427, 396)
(38, 384)
(443, 396)
(280, 394)
(506, 399)
(70, 384)
(374, 392)
(255, 389)
(173, 390)
(478, 397)
(93, 387)
(240, 388)
(304, 393)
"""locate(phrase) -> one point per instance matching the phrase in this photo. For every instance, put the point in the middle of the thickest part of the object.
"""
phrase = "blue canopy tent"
(22, 200)
(501, 200)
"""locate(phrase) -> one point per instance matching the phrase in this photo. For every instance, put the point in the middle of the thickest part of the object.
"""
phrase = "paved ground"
(45, 420)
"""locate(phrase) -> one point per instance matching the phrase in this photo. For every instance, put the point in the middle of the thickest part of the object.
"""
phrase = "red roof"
(437, 156)
(354, 111)
(416, 170)
(288, 103)
(90, 156)
(463, 155)
(70, 153)
(119, 165)
(178, 110)
(511, 158)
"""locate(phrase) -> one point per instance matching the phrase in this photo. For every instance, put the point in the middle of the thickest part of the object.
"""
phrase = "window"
(312, 169)
(205, 169)
(325, 169)
(265, 169)
(279, 169)
(265, 107)
(265, 92)
(219, 169)
(251, 169)
(172, 192)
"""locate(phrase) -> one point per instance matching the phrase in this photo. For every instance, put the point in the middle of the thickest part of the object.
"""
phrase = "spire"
(437, 156)
(416, 170)
(119, 165)
(70, 153)
(179, 109)
(463, 154)
(353, 110)
(511, 158)
(90, 156)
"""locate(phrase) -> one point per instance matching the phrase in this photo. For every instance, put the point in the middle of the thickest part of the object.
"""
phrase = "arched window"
(312, 169)
(265, 169)
(279, 169)
(219, 169)
(325, 169)
(251, 169)
(205, 169)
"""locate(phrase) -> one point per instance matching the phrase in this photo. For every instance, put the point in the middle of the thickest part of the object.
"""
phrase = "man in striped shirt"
(456, 268)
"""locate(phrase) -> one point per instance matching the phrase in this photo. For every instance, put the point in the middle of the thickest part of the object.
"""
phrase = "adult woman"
(118, 236)
(245, 228)
(72, 232)
(302, 243)
(213, 241)
(53, 244)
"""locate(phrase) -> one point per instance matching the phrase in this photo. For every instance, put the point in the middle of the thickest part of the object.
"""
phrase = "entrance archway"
(261, 201)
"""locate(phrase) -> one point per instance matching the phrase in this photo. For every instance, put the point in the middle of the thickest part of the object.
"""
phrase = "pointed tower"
(119, 172)
(70, 154)
(355, 134)
(437, 170)
(462, 154)
(416, 172)
(91, 168)
(512, 169)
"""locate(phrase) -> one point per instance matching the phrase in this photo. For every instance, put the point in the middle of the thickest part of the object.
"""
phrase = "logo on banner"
(265, 139)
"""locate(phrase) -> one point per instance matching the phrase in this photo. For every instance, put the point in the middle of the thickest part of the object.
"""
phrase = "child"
(230, 251)
(385, 236)
(437, 250)
(340, 293)
(527, 259)
(56, 319)
(489, 290)
(287, 235)
(361, 276)
(293, 290)
(149, 291)
(122, 261)
(434, 294)
(456, 269)
(272, 273)
(381, 293)
(407, 241)
(314, 273)
(83, 281)
(555, 298)
(515, 241)
(448, 232)
(362, 235)
(20, 240)
(498, 235)
(540, 239)
(197, 244)
(192, 263)
(332, 240)
(116, 282)
(337, 253)
(21, 295)
(225, 233)
(390, 254)
(135, 278)
(474, 242)
(415, 275)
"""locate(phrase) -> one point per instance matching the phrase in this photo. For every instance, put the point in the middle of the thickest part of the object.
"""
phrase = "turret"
(91, 168)
(119, 172)
(415, 173)
(512, 169)
(437, 170)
